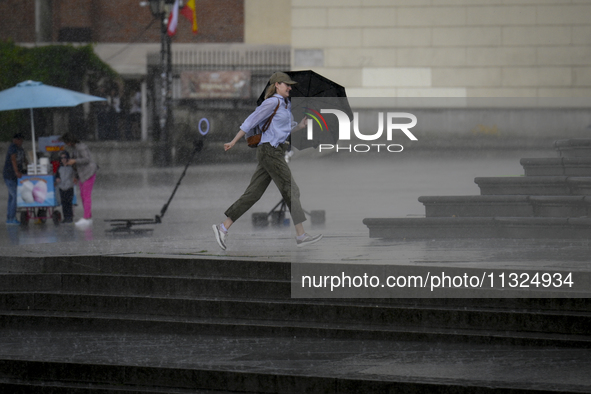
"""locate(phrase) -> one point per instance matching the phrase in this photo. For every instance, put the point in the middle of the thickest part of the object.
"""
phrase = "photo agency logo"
(330, 128)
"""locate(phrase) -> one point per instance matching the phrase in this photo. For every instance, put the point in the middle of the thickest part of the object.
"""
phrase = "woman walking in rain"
(271, 160)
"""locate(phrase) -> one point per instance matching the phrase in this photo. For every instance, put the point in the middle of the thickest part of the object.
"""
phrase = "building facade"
(375, 48)
(435, 48)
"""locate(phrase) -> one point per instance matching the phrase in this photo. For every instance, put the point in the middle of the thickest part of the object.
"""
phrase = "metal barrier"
(260, 60)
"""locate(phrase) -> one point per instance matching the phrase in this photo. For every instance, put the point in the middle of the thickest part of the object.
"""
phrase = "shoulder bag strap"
(268, 122)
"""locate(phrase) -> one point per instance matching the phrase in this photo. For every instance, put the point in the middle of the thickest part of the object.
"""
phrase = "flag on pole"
(188, 11)
(173, 19)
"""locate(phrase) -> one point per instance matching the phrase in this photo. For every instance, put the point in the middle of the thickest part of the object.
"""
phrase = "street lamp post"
(160, 9)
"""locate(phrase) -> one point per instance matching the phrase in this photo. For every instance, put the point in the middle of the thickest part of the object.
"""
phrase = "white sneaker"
(220, 236)
(308, 240)
(84, 223)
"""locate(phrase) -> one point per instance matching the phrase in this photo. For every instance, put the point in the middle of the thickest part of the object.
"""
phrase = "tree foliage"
(63, 66)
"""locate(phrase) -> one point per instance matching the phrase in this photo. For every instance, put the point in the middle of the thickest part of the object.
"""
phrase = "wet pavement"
(349, 189)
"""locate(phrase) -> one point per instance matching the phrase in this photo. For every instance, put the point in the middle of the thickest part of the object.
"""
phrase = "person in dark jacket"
(15, 166)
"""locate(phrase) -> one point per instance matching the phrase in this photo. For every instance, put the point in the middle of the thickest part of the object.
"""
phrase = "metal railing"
(260, 60)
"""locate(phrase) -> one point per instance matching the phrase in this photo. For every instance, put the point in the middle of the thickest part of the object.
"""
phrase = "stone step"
(294, 312)
(27, 285)
(145, 285)
(155, 266)
(534, 185)
(573, 147)
(561, 166)
(230, 327)
(477, 206)
(20, 386)
(507, 206)
(71, 377)
(485, 227)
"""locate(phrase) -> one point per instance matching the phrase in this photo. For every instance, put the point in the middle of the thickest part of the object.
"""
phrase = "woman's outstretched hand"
(302, 123)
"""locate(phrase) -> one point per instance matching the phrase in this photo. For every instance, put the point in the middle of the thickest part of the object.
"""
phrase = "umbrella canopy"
(316, 87)
(32, 94)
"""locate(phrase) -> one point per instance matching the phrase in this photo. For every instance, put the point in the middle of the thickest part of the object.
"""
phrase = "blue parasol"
(32, 94)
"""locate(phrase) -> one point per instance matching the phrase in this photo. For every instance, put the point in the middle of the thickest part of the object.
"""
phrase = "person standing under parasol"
(86, 169)
(271, 160)
(14, 167)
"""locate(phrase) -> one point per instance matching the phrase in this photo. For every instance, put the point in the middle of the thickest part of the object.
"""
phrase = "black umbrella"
(322, 93)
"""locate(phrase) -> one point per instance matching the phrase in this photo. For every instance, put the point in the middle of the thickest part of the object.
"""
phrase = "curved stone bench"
(567, 166)
(573, 147)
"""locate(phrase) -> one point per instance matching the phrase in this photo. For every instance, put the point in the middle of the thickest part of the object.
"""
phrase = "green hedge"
(64, 66)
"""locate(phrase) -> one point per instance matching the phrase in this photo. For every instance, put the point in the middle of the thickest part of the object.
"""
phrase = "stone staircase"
(239, 298)
(552, 200)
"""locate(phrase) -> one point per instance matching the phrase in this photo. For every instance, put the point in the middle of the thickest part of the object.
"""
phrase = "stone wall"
(447, 48)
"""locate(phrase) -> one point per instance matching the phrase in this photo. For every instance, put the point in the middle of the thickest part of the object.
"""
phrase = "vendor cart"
(36, 199)
(36, 195)
(36, 192)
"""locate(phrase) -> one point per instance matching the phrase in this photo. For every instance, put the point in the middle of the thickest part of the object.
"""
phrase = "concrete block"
(467, 36)
(537, 35)
(560, 206)
(432, 92)
(477, 206)
(465, 3)
(466, 77)
(579, 96)
(537, 77)
(531, 2)
(309, 17)
(308, 58)
(395, 3)
(568, 166)
(325, 3)
(577, 166)
(563, 14)
(396, 77)
(501, 92)
(501, 15)
(343, 76)
(431, 57)
(431, 16)
(431, 228)
(580, 185)
(581, 76)
(542, 166)
(372, 92)
(362, 57)
(573, 148)
(396, 37)
(564, 56)
(501, 56)
(509, 228)
(550, 186)
(581, 35)
(362, 17)
(321, 38)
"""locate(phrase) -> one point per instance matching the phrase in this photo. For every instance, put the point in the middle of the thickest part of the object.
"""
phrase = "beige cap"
(281, 77)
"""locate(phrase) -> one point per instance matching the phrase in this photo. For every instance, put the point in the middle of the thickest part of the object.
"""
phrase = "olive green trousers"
(271, 167)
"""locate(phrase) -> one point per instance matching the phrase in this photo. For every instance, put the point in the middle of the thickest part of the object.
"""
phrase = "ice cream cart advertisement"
(35, 191)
